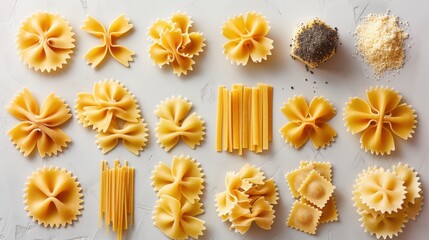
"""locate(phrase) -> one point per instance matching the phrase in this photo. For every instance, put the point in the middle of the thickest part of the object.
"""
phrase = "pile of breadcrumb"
(380, 41)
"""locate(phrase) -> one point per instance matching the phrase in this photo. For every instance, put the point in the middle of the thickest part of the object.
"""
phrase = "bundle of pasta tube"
(116, 197)
(244, 118)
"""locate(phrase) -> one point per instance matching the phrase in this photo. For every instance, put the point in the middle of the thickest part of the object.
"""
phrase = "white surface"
(345, 74)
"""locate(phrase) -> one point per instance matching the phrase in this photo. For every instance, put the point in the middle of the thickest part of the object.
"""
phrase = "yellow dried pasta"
(53, 197)
(304, 217)
(323, 168)
(247, 38)
(175, 43)
(118, 28)
(411, 181)
(316, 189)
(308, 122)
(380, 118)
(248, 198)
(45, 41)
(183, 178)
(179, 188)
(175, 124)
(377, 194)
(132, 135)
(177, 218)
(311, 185)
(329, 211)
(261, 212)
(112, 110)
(296, 177)
(382, 191)
(383, 225)
(39, 128)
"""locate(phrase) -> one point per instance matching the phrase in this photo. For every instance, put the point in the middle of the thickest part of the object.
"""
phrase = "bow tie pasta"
(247, 38)
(53, 197)
(39, 128)
(45, 41)
(174, 43)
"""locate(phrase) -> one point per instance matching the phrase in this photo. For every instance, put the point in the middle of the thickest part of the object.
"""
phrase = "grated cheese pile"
(380, 41)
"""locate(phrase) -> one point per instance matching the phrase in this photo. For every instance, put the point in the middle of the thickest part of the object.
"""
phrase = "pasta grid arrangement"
(244, 118)
(53, 197)
(113, 112)
(39, 127)
(116, 202)
(247, 38)
(179, 188)
(248, 198)
(45, 41)
(308, 122)
(311, 183)
(175, 123)
(175, 43)
(118, 28)
(386, 200)
(379, 119)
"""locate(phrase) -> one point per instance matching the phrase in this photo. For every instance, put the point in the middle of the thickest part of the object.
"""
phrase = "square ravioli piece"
(304, 217)
(329, 211)
(324, 168)
(296, 178)
(316, 189)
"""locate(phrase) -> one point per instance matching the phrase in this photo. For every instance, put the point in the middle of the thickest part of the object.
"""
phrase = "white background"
(345, 73)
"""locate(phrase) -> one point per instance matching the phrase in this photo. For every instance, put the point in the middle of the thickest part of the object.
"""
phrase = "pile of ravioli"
(386, 200)
(248, 198)
(179, 188)
(312, 185)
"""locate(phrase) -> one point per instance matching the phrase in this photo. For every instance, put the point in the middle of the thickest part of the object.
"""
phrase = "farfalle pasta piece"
(132, 135)
(119, 27)
(232, 197)
(308, 122)
(251, 175)
(53, 197)
(39, 128)
(248, 198)
(183, 178)
(177, 219)
(385, 226)
(316, 189)
(174, 43)
(304, 217)
(45, 41)
(261, 213)
(267, 190)
(179, 187)
(411, 181)
(247, 38)
(111, 100)
(382, 191)
(413, 209)
(385, 191)
(114, 113)
(380, 118)
(175, 124)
